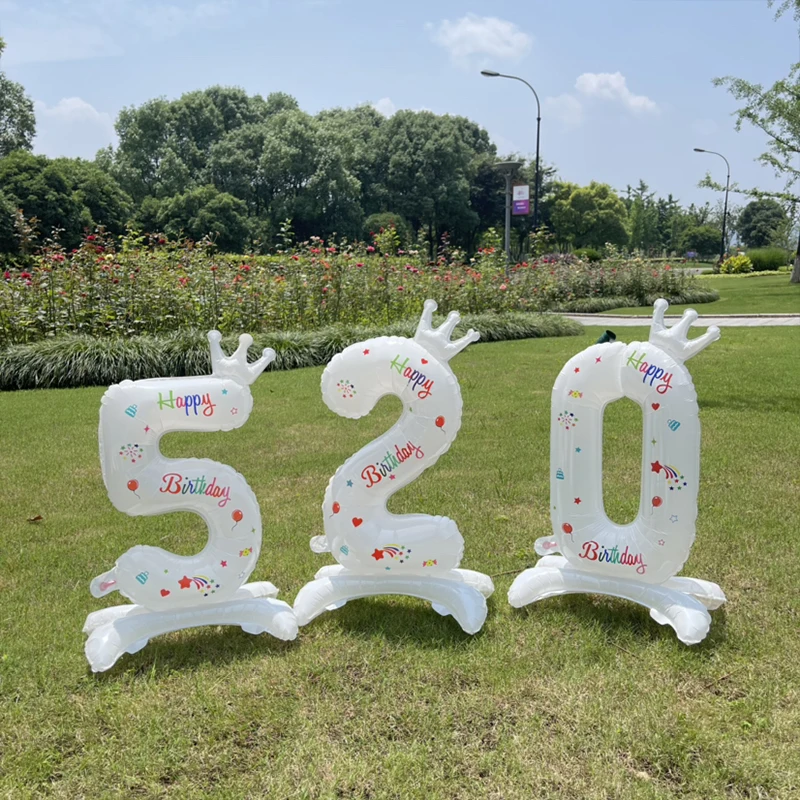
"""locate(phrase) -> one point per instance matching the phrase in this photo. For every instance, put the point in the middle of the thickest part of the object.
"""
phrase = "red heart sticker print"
(164, 592)
(357, 521)
(424, 360)
(656, 406)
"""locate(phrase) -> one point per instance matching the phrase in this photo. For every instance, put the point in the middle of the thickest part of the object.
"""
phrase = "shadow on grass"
(620, 620)
(392, 621)
(195, 648)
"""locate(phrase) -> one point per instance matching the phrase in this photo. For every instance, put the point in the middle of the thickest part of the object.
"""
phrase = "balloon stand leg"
(128, 628)
(461, 593)
(681, 603)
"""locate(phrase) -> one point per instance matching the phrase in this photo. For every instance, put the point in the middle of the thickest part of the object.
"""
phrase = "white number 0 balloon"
(172, 592)
(637, 561)
(379, 552)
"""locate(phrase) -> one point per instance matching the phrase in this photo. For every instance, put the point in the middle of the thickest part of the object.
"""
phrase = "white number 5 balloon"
(172, 592)
(639, 561)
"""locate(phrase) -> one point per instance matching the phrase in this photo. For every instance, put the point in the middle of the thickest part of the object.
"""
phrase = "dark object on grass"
(607, 337)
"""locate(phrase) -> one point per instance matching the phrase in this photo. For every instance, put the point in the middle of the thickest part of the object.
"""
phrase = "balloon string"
(137, 495)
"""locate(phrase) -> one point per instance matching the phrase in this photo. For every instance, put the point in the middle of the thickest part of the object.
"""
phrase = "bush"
(387, 219)
(588, 254)
(71, 361)
(150, 286)
(736, 265)
(770, 258)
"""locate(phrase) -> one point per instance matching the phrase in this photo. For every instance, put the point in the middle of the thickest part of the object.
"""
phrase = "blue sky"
(625, 85)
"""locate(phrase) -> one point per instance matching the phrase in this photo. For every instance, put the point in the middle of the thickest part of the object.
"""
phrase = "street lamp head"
(699, 150)
(490, 73)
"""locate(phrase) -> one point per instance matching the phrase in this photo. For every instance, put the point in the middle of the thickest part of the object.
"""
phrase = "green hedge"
(594, 305)
(70, 361)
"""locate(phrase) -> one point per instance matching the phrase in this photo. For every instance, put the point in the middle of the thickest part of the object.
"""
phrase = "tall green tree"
(775, 111)
(591, 216)
(205, 211)
(759, 220)
(17, 120)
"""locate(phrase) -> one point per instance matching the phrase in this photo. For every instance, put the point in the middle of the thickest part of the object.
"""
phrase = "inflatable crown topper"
(168, 591)
(587, 551)
(379, 552)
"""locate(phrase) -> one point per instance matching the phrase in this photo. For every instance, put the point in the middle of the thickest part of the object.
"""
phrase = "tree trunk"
(796, 271)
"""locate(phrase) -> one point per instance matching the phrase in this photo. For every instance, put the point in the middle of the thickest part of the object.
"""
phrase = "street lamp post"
(508, 168)
(488, 73)
(727, 186)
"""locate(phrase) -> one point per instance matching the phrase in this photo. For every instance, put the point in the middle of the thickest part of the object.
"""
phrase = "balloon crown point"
(236, 366)
(437, 341)
(675, 341)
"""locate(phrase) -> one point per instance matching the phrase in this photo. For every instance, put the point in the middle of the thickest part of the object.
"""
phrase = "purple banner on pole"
(521, 207)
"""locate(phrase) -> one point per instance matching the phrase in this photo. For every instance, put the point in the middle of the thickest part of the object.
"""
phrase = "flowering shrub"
(736, 264)
(147, 285)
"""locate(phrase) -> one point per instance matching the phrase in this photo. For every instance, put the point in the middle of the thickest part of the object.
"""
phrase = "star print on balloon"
(393, 551)
(673, 476)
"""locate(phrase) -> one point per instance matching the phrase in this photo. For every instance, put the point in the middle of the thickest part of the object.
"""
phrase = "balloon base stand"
(461, 593)
(682, 603)
(127, 629)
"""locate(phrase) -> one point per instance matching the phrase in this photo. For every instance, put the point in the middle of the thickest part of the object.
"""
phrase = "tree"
(205, 211)
(17, 120)
(591, 216)
(759, 220)
(776, 112)
(643, 219)
(65, 193)
(8, 239)
(703, 240)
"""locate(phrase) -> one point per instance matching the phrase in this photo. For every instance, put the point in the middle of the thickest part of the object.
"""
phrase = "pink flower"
(503, 287)
(370, 249)
(58, 257)
(245, 268)
(399, 288)
(380, 279)
(359, 264)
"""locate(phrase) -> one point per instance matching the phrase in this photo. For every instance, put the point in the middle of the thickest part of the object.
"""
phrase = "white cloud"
(385, 106)
(480, 36)
(54, 31)
(44, 42)
(565, 108)
(613, 86)
(72, 127)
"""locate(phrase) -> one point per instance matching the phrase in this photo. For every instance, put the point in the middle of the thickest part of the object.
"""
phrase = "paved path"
(728, 320)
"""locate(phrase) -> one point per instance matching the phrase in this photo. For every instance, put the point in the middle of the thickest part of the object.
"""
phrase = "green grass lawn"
(772, 294)
(573, 697)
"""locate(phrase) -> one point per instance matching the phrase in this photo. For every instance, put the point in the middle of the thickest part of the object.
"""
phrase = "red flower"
(245, 268)
(399, 288)
(7, 275)
(295, 258)
(25, 275)
(359, 264)
(58, 257)
(91, 237)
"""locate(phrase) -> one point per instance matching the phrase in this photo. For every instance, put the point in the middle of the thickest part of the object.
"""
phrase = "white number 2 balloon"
(172, 592)
(378, 552)
(637, 561)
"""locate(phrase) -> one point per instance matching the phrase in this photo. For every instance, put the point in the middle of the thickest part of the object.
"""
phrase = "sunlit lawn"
(577, 697)
(770, 294)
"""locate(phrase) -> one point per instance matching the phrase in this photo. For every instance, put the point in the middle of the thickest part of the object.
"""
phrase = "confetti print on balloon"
(131, 452)
(567, 420)
(346, 389)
